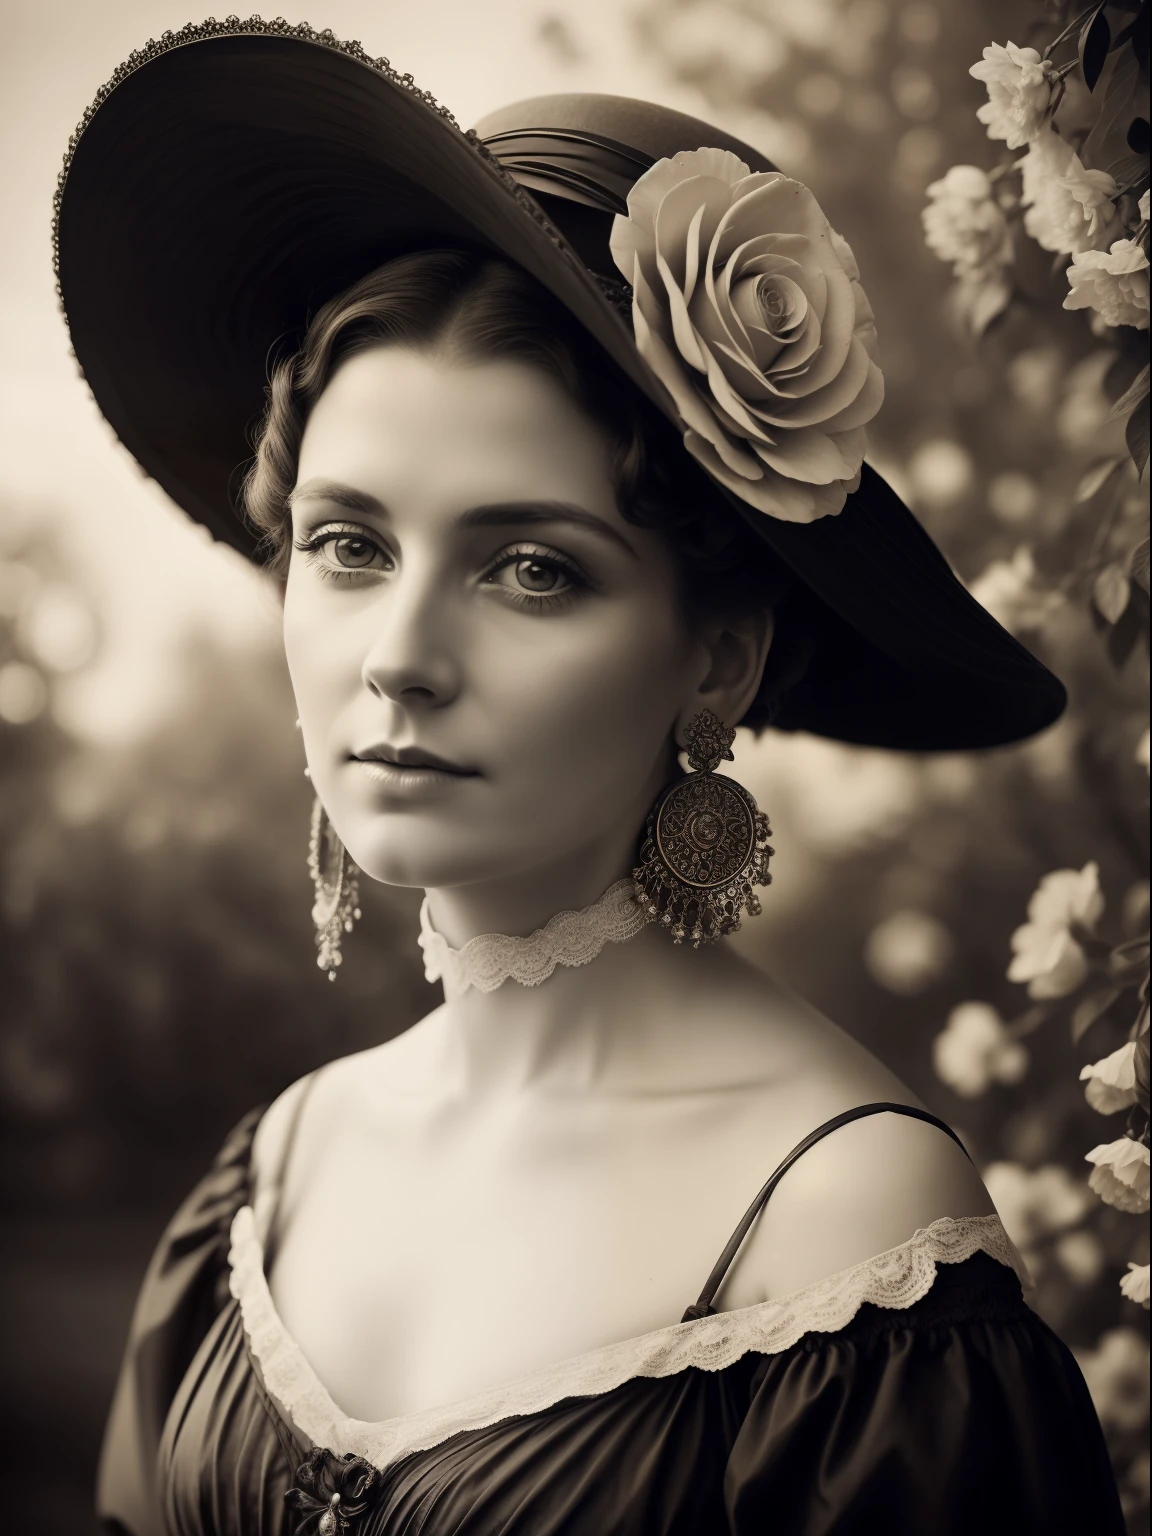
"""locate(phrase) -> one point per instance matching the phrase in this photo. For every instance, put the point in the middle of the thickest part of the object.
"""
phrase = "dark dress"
(915, 1394)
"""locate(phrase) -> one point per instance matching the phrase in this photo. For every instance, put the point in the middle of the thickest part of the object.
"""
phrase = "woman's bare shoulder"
(862, 1189)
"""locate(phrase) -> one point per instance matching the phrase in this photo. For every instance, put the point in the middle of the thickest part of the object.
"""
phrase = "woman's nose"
(410, 658)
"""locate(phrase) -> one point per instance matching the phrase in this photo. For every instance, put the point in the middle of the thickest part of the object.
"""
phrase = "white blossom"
(1066, 207)
(975, 1050)
(963, 224)
(1111, 1082)
(1035, 1203)
(1120, 1176)
(1113, 283)
(1020, 85)
(1116, 1372)
(1081, 1256)
(1045, 954)
(907, 951)
(1135, 1284)
(1009, 590)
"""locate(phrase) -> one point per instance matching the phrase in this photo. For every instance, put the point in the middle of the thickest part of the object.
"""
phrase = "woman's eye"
(343, 553)
(352, 553)
(532, 575)
(535, 576)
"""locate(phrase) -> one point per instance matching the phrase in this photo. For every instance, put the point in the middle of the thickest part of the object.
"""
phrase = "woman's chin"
(426, 858)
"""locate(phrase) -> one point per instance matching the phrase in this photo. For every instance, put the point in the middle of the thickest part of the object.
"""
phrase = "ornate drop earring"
(337, 904)
(705, 845)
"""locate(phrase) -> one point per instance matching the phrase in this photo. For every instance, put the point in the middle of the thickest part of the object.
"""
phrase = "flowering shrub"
(1079, 191)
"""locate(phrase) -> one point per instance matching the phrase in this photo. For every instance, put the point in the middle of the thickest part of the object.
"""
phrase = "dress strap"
(276, 1187)
(703, 1305)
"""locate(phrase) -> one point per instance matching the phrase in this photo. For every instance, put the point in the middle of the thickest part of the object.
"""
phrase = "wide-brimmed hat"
(233, 176)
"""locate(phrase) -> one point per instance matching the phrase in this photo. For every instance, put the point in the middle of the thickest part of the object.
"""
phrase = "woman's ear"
(736, 651)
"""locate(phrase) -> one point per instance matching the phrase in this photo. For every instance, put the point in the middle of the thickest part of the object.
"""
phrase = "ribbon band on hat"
(583, 167)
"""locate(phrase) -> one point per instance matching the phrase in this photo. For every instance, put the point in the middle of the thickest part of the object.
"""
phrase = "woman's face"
(488, 660)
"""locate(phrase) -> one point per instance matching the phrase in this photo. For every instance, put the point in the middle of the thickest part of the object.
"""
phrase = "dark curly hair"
(482, 307)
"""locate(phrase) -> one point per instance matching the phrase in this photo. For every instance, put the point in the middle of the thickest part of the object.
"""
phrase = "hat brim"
(235, 176)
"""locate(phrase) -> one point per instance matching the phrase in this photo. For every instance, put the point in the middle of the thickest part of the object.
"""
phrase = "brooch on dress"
(331, 1492)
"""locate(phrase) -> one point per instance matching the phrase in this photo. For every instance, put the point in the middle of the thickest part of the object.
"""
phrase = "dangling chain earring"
(337, 904)
(705, 845)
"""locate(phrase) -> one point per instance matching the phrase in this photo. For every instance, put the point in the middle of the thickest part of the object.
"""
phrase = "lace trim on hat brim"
(895, 1279)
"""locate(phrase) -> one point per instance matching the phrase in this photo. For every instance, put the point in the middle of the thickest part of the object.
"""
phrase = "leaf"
(1136, 436)
(1138, 566)
(1110, 592)
(1140, 37)
(1120, 100)
(986, 303)
(1125, 636)
(1132, 396)
(1129, 170)
(1140, 1063)
(1138, 135)
(1095, 41)
(1095, 477)
(1091, 1008)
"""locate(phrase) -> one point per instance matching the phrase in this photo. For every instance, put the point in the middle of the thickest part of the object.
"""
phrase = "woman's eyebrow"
(340, 495)
(505, 513)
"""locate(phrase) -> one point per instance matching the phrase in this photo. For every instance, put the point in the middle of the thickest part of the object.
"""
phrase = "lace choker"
(569, 938)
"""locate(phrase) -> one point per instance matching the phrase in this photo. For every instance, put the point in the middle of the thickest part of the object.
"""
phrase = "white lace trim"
(569, 938)
(896, 1279)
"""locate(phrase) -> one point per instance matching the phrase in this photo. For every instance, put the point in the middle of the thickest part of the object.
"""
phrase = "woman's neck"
(622, 1023)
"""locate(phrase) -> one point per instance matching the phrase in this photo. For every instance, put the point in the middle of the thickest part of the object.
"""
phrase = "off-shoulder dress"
(913, 1393)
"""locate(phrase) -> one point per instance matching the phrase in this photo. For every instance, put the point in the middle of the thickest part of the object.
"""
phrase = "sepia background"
(157, 974)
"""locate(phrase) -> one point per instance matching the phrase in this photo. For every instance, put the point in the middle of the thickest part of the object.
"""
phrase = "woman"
(561, 468)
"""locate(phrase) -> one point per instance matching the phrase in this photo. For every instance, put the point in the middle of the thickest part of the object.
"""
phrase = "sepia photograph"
(574, 768)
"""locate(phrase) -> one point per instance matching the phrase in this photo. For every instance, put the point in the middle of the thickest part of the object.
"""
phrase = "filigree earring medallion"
(705, 845)
(334, 879)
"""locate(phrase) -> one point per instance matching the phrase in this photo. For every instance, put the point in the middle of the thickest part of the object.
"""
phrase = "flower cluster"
(1046, 952)
(1021, 87)
(1120, 1174)
(1114, 283)
(1067, 207)
(975, 1050)
(965, 225)
(1111, 1083)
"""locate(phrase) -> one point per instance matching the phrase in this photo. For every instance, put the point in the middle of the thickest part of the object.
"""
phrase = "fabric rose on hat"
(747, 306)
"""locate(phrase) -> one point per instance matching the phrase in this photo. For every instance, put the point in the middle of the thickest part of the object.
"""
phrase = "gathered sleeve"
(183, 1291)
(961, 1414)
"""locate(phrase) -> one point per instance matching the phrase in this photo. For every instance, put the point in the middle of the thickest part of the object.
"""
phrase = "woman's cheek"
(583, 699)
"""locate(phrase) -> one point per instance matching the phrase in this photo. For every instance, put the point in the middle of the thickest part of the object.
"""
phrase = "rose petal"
(697, 204)
(864, 407)
(789, 501)
(682, 327)
(663, 361)
(806, 454)
(788, 207)
(809, 408)
(649, 190)
(628, 244)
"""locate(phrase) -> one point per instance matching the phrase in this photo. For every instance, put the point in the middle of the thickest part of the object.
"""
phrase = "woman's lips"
(411, 771)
